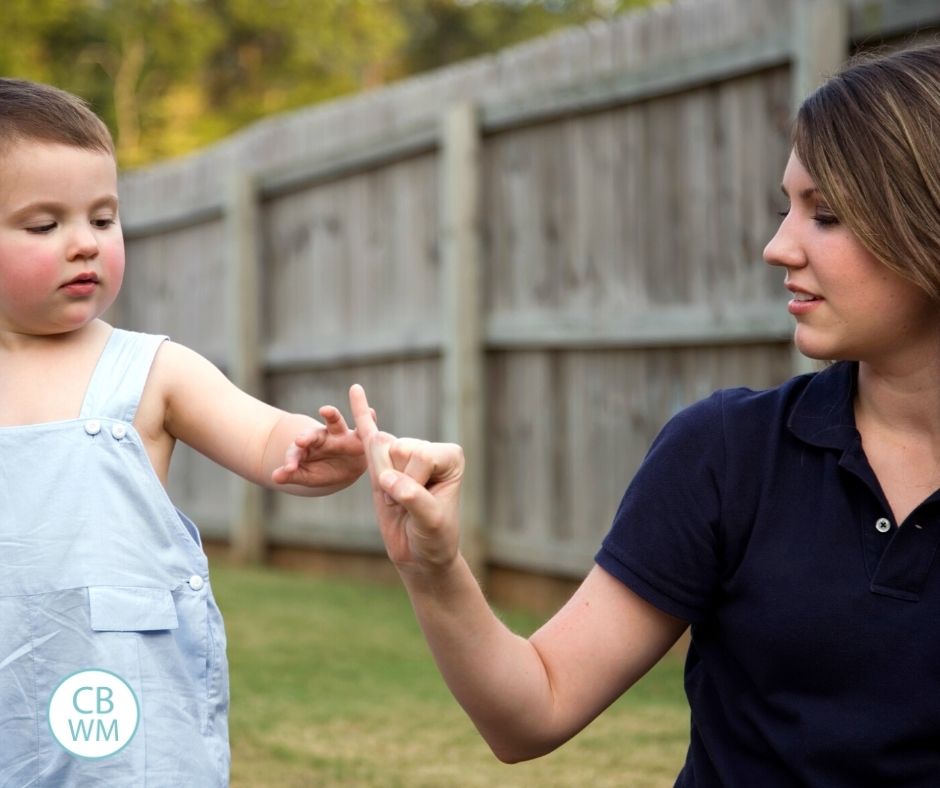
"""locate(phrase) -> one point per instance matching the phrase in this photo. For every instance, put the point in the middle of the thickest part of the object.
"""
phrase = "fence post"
(243, 341)
(820, 47)
(463, 372)
(820, 43)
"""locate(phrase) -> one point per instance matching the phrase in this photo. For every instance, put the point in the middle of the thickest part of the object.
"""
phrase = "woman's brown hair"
(870, 139)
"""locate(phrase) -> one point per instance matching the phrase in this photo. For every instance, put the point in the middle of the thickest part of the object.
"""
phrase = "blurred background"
(531, 227)
(170, 76)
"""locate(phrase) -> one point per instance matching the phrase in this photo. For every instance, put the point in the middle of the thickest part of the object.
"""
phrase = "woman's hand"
(415, 492)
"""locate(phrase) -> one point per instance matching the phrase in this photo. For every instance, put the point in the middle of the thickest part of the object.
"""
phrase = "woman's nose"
(784, 248)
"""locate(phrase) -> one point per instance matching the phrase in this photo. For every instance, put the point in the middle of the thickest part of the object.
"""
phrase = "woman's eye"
(825, 219)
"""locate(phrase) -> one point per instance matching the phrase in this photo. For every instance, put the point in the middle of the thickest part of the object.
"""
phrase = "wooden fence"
(541, 255)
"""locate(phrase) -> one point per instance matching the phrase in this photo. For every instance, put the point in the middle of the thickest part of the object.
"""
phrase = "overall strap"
(119, 377)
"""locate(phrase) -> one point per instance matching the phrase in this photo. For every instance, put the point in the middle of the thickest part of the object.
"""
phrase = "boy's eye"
(40, 229)
(104, 223)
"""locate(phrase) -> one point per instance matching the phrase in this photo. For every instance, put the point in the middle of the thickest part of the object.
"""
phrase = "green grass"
(332, 685)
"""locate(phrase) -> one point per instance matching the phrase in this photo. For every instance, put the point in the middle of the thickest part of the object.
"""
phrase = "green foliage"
(169, 76)
(28, 26)
(445, 31)
(288, 53)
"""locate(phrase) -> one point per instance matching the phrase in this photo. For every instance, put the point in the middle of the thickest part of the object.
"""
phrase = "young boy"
(112, 651)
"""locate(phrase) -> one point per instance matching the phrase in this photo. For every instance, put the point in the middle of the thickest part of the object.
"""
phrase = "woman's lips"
(803, 303)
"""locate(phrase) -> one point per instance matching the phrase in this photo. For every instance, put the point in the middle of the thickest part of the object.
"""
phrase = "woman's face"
(847, 304)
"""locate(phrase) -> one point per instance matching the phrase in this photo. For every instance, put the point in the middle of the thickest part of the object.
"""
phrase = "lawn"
(332, 685)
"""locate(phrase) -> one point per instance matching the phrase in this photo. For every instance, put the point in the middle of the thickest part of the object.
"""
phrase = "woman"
(794, 529)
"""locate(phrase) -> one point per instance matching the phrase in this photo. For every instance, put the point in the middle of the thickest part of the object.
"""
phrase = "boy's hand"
(415, 492)
(326, 456)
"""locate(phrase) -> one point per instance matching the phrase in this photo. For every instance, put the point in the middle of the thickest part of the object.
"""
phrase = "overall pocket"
(131, 609)
(82, 638)
(170, 633)
(155, 640)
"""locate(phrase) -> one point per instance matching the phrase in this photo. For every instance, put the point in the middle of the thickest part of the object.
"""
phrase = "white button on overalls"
(93, 427)
(195, 582)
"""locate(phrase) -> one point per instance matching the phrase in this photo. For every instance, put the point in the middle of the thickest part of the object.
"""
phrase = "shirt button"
(93, 427)
(118, 431)
(196, 582)
(882, 525)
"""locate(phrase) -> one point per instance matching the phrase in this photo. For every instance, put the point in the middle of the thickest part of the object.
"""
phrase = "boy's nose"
(82, 244)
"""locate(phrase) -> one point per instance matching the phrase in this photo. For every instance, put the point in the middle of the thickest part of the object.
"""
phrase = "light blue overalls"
(98, 570)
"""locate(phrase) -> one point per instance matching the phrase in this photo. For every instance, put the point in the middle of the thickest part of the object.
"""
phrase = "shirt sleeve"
(664, 540)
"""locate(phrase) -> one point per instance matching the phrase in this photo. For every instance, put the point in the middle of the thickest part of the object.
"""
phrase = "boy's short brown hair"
(31, 111)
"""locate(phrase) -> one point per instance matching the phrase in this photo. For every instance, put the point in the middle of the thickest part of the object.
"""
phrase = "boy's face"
(61, 247)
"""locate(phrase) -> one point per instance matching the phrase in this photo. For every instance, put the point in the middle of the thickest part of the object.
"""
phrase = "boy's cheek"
(26, 269)
(112, 259)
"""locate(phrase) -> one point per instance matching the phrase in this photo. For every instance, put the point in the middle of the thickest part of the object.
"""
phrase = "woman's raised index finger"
(362, 413)
(377, 443)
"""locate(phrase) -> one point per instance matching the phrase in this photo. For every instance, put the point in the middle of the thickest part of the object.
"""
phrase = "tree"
(445, 31)
(169, 76)
(288, 53)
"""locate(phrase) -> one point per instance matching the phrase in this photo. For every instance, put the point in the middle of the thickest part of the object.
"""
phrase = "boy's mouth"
(83, 284)
(84, 277)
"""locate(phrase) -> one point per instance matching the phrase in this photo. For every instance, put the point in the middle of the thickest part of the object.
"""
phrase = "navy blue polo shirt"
(815, 651)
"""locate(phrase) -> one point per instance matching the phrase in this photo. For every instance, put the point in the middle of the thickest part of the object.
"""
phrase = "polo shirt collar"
(824, 414)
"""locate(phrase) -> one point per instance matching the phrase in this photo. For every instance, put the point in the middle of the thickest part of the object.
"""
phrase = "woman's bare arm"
(525, 695)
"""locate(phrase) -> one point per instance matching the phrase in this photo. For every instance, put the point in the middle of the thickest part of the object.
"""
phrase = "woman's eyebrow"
(804, 194)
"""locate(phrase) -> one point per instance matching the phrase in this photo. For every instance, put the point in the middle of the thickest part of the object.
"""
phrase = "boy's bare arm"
(279, 450)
